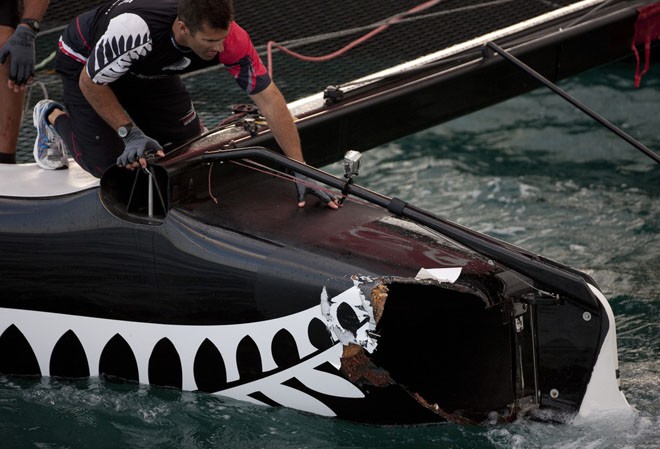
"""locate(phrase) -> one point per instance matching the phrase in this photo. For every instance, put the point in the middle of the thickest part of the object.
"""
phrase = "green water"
(531, 171)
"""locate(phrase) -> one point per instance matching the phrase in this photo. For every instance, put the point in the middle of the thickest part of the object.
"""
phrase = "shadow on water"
(95, 414)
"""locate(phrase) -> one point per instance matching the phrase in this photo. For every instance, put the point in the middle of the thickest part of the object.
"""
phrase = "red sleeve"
(243, 62)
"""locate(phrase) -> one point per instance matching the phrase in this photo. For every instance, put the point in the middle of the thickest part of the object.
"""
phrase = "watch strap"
(32, 23)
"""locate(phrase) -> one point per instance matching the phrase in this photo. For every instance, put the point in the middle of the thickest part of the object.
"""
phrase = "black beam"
(574, 101)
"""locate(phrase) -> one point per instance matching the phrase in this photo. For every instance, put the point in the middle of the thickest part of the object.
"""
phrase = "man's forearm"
(35, 9)
(104, 101)
(272, 105)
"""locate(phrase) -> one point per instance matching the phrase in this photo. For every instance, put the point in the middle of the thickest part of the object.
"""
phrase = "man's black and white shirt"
(135, 37)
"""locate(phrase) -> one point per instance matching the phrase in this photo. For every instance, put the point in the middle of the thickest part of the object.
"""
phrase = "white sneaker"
(49, 150)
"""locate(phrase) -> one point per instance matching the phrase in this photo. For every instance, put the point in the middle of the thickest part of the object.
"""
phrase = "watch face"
(122, 131)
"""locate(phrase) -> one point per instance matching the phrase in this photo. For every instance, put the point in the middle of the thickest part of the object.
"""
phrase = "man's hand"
(304, 185)
(21, 48)
(137, 147)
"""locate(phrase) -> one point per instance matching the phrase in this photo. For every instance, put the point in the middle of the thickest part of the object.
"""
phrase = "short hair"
(214, 13)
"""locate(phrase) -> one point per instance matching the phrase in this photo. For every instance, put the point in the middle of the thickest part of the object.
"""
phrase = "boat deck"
(319, 28)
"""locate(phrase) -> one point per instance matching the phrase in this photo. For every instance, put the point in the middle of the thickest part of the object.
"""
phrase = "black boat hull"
(225, 286)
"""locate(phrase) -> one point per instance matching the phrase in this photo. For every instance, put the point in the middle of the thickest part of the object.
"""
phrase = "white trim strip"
(298, 106)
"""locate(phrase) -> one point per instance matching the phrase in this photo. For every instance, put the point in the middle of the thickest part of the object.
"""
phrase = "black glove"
(21, 48)
(137, 146)
(304, 185)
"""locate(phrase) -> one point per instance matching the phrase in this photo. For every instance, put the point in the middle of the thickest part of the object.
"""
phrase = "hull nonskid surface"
(29, 181)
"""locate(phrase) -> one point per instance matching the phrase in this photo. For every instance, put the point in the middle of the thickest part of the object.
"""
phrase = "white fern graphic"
(42, 330)
(126, 40)
(274, 387)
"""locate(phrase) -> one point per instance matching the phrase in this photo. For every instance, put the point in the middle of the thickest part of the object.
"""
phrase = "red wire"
(369, 35)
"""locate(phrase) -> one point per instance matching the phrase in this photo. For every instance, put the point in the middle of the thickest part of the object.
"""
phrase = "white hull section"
(603, 392)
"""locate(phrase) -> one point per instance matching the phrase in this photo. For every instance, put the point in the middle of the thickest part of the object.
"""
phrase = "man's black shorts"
(10, 12)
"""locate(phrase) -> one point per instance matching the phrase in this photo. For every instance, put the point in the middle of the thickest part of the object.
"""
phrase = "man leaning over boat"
(123, 97)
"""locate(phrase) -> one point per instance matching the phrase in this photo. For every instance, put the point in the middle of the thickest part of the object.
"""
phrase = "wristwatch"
(123, 130)
(32, 23)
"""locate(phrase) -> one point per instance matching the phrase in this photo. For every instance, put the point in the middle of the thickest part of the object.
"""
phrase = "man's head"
(203, 25)
(216, 14)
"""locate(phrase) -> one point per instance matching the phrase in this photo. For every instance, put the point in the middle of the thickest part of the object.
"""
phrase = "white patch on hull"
(358, 331)
(603, 393)
(440, 274)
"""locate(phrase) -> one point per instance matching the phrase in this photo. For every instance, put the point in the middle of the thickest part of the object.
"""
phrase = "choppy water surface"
(532, 171)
